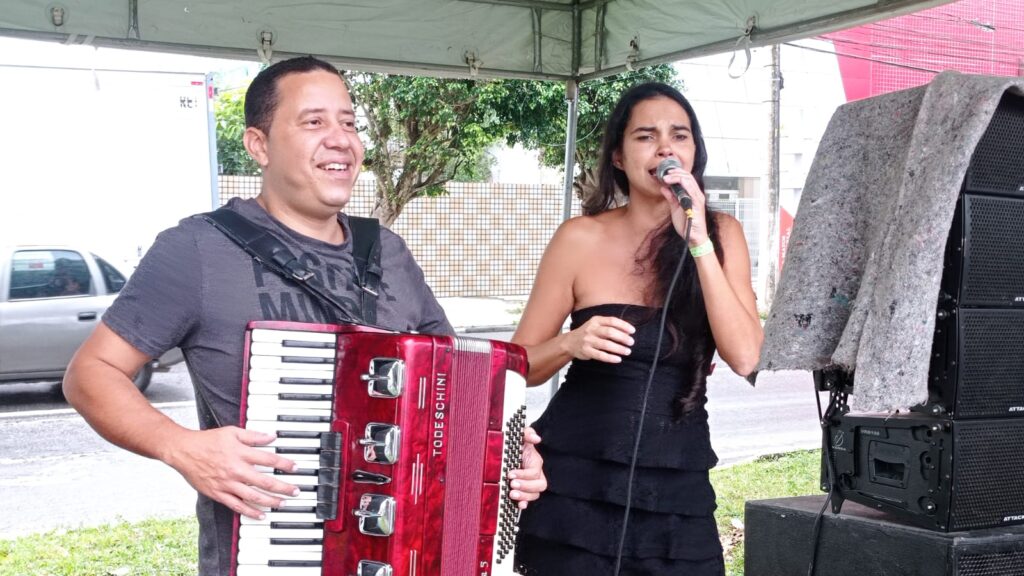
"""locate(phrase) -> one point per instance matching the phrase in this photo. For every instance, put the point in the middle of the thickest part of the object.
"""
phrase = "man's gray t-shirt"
(197, 289)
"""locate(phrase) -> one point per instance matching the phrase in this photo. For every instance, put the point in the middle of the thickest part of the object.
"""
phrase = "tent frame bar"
(568, 7)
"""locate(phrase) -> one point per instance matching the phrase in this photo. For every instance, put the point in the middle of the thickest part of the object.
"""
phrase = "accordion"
(403, 444)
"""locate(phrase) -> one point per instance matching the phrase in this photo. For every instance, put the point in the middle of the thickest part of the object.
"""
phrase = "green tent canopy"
(543, 39)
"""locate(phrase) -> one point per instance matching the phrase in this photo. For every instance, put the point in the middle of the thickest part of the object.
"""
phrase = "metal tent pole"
(571, 97)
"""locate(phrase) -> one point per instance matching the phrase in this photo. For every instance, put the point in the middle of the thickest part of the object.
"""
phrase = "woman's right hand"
(603, 338)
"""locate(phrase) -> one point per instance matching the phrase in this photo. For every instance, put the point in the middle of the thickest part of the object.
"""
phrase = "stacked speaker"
(957, 462)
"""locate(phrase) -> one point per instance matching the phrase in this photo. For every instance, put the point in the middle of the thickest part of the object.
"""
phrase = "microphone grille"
(667, 164)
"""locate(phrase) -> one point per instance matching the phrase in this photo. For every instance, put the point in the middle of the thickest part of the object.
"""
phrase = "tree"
(232, 157)
(537, 114)
(423, 132)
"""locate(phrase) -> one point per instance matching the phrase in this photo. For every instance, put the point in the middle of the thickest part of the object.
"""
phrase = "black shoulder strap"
(267, 249)
(366, 252)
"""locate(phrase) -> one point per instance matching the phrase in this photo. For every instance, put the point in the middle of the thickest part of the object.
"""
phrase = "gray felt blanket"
(864, 260)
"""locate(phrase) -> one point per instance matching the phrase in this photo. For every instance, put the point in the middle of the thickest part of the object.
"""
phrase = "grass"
(168, 547)
(147, 548)
(776, 476)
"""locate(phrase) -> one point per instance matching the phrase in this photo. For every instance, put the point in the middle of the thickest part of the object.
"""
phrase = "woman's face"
(658, 128)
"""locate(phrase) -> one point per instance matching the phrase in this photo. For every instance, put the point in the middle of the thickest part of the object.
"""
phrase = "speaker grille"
(991, 378)
(991, 564)
(987, 461)
(996, 167)
(994, 251)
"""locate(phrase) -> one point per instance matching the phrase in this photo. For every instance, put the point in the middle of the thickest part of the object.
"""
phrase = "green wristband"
(702, 249)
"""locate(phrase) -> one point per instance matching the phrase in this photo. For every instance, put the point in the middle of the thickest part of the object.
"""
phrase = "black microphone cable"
(836, 401)
(647, 391)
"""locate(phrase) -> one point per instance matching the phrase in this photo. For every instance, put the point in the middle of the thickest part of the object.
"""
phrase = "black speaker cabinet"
(863, 542)
(934, 472)
(977, 368)
(996, 166)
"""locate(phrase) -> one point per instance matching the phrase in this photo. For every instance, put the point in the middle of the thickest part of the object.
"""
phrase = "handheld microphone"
(663, 168)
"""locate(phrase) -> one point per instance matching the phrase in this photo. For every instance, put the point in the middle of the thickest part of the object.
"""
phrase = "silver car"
(51, 298)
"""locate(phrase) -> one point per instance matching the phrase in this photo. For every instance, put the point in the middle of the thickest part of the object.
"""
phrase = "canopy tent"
(544, 39)
(562, 40)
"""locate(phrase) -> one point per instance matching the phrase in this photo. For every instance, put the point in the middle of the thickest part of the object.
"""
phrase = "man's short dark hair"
(261, 97)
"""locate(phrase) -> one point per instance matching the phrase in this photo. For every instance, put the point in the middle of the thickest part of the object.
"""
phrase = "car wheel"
(143, 377)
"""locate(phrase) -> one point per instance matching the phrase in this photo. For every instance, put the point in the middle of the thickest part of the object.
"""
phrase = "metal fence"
(485, 239)
(482, 239)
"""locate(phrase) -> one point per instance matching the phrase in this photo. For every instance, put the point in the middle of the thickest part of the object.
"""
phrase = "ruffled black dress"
(588, 433)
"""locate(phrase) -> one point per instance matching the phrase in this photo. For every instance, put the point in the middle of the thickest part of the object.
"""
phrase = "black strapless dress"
(588, 433)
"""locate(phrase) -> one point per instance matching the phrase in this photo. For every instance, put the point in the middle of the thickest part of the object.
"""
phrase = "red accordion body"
(403, 442)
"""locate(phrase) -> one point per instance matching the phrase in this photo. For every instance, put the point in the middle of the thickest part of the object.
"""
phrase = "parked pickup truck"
(51, 298)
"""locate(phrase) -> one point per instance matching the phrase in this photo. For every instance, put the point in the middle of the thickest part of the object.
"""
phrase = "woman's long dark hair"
(663, 247)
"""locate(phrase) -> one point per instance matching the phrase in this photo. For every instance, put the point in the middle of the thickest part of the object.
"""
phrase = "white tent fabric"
(545, 39)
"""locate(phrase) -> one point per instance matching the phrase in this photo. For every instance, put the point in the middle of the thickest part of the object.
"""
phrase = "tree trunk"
(383, 208)
(386, 214)
(585, 184)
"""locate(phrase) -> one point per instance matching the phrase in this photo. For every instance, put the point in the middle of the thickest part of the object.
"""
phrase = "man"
(197, 289)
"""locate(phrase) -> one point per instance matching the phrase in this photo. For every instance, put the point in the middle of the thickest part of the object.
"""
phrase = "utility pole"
(773, 178)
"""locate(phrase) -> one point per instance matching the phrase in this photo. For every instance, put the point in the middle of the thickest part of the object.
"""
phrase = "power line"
(943, 55)
(869, 59)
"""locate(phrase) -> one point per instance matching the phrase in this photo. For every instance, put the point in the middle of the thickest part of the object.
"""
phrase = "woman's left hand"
(699, 228)
(529, 482)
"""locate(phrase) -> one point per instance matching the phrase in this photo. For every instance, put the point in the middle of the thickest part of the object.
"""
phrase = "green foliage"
(423, 132)
(231, 155)
(536, 112)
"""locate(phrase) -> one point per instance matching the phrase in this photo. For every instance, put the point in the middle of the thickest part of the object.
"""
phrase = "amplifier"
(935, 472)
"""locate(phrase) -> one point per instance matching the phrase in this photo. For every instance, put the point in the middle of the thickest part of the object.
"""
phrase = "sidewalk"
(480, 314)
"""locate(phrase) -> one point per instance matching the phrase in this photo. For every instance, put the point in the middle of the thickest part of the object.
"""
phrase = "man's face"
(312, 155)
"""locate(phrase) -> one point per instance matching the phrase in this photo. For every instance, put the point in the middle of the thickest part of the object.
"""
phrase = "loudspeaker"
(935, 472)
(995, 166)
(977, 368)
(863, 542)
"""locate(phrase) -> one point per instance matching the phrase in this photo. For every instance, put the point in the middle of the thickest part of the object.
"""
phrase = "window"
(48, 274)
(111, 277)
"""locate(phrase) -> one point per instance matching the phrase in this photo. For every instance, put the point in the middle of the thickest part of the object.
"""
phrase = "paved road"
(55, 471)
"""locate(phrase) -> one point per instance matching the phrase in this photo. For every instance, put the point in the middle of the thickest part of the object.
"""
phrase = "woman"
(611, 270)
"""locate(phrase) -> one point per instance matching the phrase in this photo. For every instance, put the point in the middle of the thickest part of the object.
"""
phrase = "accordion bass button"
(386, 378)
(380, 443)
(368, 568)
(376, 514)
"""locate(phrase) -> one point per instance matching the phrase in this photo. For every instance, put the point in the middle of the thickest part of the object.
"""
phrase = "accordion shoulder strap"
(366, 252)
(267, 249)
